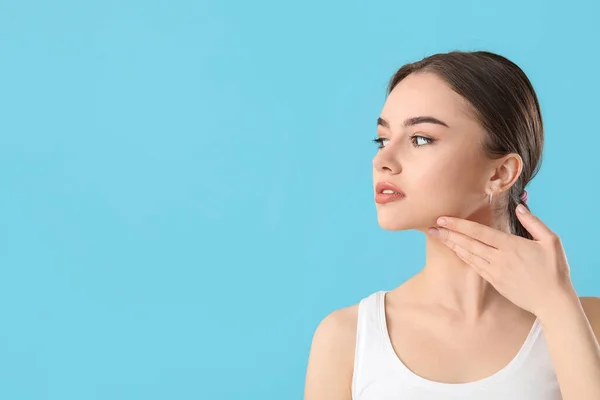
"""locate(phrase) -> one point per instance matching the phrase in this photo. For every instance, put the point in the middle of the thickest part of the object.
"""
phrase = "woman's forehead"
(425, 94)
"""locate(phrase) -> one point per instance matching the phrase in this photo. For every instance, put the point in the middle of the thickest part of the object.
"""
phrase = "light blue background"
(187, 185)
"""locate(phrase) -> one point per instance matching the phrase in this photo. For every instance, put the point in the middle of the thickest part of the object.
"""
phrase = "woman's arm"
(331, 359)
(569, 326)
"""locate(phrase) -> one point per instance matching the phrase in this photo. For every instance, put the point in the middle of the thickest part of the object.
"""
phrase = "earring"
(491, 194)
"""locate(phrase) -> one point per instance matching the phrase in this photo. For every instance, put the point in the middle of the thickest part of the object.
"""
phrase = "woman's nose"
(386, 161)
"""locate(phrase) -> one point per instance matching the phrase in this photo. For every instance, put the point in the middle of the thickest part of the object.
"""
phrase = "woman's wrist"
(559, 305)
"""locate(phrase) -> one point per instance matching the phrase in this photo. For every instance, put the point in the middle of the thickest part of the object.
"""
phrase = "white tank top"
(380, 375)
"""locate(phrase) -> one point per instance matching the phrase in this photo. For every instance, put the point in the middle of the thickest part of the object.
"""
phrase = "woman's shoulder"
(331, 359)
(336, 332)
(339, 325)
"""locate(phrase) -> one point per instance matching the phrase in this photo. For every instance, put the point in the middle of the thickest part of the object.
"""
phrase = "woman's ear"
(508, 169)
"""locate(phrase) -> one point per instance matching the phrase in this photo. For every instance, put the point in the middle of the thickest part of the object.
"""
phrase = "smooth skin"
(464, 304)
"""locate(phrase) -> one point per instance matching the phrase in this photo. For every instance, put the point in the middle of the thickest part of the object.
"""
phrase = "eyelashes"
(413, 140)
(380, 142)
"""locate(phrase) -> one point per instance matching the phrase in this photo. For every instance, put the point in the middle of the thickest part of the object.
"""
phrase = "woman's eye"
(417, 141)
(415, 138)
(380, 141)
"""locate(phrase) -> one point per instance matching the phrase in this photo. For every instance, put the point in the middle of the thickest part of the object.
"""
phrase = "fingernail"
(442, 221)
(434, 231)
(521, 208)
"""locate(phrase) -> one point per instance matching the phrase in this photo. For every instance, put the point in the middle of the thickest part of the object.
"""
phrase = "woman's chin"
(403, 224)
(393, 224)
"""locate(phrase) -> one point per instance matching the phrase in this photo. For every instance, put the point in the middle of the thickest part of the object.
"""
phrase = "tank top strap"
(369, 355)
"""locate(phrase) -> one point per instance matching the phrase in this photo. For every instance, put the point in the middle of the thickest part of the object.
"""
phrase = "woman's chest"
(455, 354)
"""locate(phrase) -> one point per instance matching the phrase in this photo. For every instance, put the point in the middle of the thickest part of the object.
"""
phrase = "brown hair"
(505, 104)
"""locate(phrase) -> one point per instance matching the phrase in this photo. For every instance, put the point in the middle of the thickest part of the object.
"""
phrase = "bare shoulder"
(591, 307)
(331, 358)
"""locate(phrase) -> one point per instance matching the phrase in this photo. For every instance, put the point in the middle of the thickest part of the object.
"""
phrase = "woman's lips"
(383, 198)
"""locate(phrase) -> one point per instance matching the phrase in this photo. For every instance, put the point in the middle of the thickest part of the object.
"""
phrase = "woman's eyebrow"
(414, 121)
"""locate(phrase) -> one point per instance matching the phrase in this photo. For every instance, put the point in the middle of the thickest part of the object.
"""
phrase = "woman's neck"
(449, 283)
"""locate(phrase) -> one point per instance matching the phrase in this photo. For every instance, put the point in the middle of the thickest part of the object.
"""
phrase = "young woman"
(493, 313)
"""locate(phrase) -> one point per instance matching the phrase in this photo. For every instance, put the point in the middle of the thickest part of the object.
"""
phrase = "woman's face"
(442, 170)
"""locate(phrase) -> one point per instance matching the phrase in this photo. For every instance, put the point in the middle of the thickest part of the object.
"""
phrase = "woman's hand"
(533, 274)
